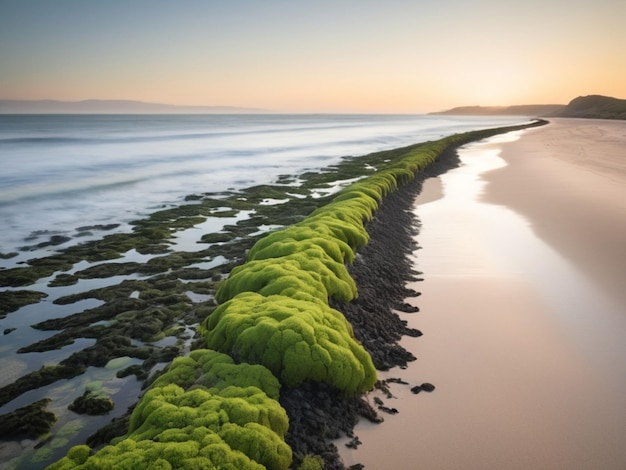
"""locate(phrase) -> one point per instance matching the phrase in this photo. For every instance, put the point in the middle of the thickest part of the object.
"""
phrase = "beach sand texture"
(522, 310)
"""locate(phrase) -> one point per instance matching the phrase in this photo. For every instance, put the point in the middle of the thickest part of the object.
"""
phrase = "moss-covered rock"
(92, 403)
(36, 379)
(296, 339)
(30, 421)
(220, 418)
(10, 301)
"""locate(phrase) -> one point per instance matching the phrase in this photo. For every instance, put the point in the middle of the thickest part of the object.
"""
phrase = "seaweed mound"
(204, 412)
(218, 407)
(92, 403)
(275, 308)
(295, 339)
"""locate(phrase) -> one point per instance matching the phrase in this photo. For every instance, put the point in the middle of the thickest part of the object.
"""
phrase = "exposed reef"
(307, 310)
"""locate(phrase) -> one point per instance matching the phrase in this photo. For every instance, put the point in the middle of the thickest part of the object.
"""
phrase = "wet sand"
(521, 310)
(569, 180)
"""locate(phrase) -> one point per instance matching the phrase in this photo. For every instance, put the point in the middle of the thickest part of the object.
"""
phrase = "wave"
(63, 171)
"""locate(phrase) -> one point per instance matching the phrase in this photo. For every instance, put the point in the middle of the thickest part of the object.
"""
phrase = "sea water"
(62, 172)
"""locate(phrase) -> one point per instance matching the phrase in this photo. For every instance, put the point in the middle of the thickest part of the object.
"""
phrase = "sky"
(391, 56)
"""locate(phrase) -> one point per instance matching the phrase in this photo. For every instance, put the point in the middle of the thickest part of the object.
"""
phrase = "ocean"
(62, 175)
(63, 172)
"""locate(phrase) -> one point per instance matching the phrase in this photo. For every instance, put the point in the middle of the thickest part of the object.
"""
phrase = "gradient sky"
(314, 56)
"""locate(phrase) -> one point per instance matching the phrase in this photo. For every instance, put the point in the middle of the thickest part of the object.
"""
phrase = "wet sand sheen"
(524, 347)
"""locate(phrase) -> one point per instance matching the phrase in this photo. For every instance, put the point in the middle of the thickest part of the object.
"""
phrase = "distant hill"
(594, 107)
(113, 107)
(519, 110)
(591, 107)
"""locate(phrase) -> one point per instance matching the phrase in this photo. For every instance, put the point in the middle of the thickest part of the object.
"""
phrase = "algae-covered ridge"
(216, 407)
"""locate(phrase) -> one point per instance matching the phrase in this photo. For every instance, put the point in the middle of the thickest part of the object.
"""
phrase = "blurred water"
(62, 172)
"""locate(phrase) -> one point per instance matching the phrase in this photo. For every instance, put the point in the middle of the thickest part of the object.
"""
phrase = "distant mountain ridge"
(590, 107)
(114, 107)
(518, 110)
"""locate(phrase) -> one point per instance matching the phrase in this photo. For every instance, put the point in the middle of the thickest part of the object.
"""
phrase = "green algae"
(10, 301)
(30, 421)
(221, 418)
(92, 403)
(297, 340)
(329, 229)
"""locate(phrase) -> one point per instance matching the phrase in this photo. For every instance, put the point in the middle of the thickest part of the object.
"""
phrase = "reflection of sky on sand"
(526, 353)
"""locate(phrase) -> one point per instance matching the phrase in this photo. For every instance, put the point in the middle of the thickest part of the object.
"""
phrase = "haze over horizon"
(322, 56)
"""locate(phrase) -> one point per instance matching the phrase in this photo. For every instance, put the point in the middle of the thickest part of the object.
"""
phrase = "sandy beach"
(521, 310)
(569, 180)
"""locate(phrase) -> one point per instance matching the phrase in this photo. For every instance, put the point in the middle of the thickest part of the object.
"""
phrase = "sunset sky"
(314, 56)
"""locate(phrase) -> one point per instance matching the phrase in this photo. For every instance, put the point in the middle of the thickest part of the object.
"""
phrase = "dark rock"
(425, 387)
(385, 409)
(92, 403)
(116, 428)
(87, 228)
(36, 379)
(396, 380)
(353, 443)
(10, 301)
(28, 422)
(54, 240)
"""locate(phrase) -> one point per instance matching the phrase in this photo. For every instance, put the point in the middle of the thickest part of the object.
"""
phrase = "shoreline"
(524, 348)
(582, 213)
(157, 245)
(382, 270)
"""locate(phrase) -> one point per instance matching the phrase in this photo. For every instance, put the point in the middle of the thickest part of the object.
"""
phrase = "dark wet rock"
(353, 443)
(116, 428)
(319, 414)
(92, 403)
(57, 341)
(54, 240)
(9, 330)
(36, 379)
(136, 370)
(217, 237)
(63, 280)
(428, 387)
(383, 386)
(425, 387)
(396, 380)
(10, 301)
(87, 228)
(385, 409)
(29, 421)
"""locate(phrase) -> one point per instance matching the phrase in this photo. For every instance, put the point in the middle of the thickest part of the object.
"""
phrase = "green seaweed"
(231, 424)
(30, 421)
(10, 301)
(92, 403)
(297, 340)
(206, 411)
(304, 275)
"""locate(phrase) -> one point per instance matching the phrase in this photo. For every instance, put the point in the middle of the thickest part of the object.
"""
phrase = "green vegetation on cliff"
(594, 107)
